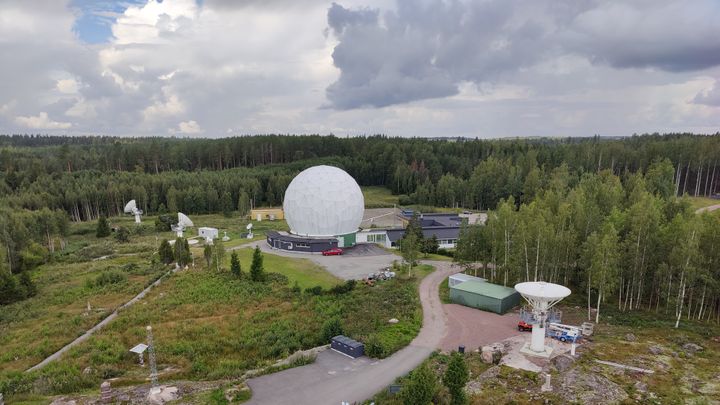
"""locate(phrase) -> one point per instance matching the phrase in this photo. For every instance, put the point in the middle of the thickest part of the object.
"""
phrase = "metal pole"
(151, 355)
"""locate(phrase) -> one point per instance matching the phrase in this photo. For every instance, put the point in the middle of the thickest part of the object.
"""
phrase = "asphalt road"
(334, 378)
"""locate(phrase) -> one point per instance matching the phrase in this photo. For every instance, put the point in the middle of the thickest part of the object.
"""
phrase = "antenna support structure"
(151, 355)
(541, 296)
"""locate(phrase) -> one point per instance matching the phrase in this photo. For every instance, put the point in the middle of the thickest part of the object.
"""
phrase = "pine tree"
(103, 229)
(420, 388)
(180, 255)
(256, 268)
(8, 288)
(207, 254)
(235, 265)
(166, 252)
(226, 204)
(455, 378)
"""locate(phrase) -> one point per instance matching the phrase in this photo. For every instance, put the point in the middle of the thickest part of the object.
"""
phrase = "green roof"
(486, 289)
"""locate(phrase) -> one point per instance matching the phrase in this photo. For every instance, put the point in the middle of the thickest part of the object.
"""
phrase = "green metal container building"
(485, 296)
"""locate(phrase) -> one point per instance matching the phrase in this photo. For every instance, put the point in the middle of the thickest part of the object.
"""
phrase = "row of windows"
(379, 237)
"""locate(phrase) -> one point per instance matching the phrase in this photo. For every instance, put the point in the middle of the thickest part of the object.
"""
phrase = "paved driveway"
(355, 265)
(334, 378)
(474, 328)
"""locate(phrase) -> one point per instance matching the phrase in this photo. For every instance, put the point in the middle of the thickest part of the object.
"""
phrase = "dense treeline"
(87, 175)
(626, 240)
(46, 181)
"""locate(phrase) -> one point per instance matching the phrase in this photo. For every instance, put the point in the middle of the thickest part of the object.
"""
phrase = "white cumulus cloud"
(41, 121)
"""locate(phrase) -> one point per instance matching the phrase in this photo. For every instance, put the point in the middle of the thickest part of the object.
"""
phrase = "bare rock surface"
(563, 362)
(589, 388)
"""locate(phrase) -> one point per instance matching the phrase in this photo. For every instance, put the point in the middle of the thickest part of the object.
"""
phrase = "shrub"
(122, 235)
(317, 290)
(420, 388)
(343, 288)
(331, 328)
(109, 277)
(103, 229)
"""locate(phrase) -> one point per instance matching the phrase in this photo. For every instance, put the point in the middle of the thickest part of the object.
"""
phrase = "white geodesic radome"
(323, 201)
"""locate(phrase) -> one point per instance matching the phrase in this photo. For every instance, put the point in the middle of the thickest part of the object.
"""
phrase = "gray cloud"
(709, 97)
(424, 50)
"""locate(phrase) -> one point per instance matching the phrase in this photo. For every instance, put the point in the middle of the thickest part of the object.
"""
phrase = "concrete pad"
(474, 328)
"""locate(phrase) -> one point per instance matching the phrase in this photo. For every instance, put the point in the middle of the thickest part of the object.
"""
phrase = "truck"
(563, 333)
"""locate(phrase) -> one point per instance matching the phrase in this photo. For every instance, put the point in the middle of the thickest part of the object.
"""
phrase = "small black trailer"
(347, 346)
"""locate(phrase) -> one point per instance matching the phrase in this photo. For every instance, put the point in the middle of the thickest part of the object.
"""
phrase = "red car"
(523, 327)
(332, 252)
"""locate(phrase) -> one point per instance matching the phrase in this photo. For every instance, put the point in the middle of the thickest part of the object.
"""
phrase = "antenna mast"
(151, 355)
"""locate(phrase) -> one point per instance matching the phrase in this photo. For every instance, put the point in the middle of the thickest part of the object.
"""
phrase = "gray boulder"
(691, 348)
(655, 349)
(630, 337)
(563, 362)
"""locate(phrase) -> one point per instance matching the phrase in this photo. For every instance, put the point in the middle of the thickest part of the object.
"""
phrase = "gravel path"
(334, 378)
(707, 209)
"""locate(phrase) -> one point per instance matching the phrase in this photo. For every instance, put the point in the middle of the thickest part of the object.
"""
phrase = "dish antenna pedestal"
(131, 208)
(541, 296)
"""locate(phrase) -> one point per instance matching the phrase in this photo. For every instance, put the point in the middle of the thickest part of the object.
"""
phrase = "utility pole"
(151, 355)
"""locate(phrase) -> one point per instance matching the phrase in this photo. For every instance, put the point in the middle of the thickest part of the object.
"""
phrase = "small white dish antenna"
(541, 296)
(250, 232)
(183, 222)
(131, 208)
(249, 226)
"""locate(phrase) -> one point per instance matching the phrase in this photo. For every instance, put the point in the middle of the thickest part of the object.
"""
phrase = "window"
(301, 244)
(376, 237)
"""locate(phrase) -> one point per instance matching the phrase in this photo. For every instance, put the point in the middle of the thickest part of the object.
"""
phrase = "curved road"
(334, 378)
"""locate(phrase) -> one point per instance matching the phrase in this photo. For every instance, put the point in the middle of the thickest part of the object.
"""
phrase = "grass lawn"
(378, 197)
(303, 271)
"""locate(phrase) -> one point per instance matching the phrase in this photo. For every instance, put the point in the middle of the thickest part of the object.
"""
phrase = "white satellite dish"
(183, 222)
(131, 208)
(250, 232)
(249, 226)
(541, 296)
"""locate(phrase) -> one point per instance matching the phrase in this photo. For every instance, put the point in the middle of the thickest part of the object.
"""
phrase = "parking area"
(474, 328)
(354, 264)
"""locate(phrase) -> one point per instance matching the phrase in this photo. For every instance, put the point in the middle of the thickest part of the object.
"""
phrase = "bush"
(445, 252)
(331, 328)
(122, 235)
(108, 277)
(317, 290)
(103, 229)
(343, 288)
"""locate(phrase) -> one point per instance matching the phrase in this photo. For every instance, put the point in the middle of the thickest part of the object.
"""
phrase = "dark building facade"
(292, 243)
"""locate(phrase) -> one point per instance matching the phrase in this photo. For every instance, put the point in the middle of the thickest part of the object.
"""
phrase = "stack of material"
(587, 328)
(105, 393)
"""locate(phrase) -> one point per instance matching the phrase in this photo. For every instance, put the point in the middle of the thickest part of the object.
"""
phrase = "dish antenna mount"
(183, 222)
(131, 208)
(541, 296)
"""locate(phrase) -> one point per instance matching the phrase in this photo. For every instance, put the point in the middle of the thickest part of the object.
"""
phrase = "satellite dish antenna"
(541, 296)
(249, 226)
(131, 208)
(183, 222)
(250, 232)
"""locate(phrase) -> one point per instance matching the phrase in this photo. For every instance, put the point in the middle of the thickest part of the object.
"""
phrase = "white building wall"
(377, 236)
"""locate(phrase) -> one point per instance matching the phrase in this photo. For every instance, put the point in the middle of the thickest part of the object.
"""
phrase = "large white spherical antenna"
(541, 296)
(323, 201)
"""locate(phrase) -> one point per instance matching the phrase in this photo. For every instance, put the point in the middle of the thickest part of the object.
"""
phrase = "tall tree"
(166, 252)
(235, 265)
(601, 250)
(257, 271)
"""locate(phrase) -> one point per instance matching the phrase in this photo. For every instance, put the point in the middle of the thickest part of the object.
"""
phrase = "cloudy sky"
(485, 68)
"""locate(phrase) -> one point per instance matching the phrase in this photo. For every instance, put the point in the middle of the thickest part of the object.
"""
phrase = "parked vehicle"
(332, 252)
(563, 333)
(524, 327)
